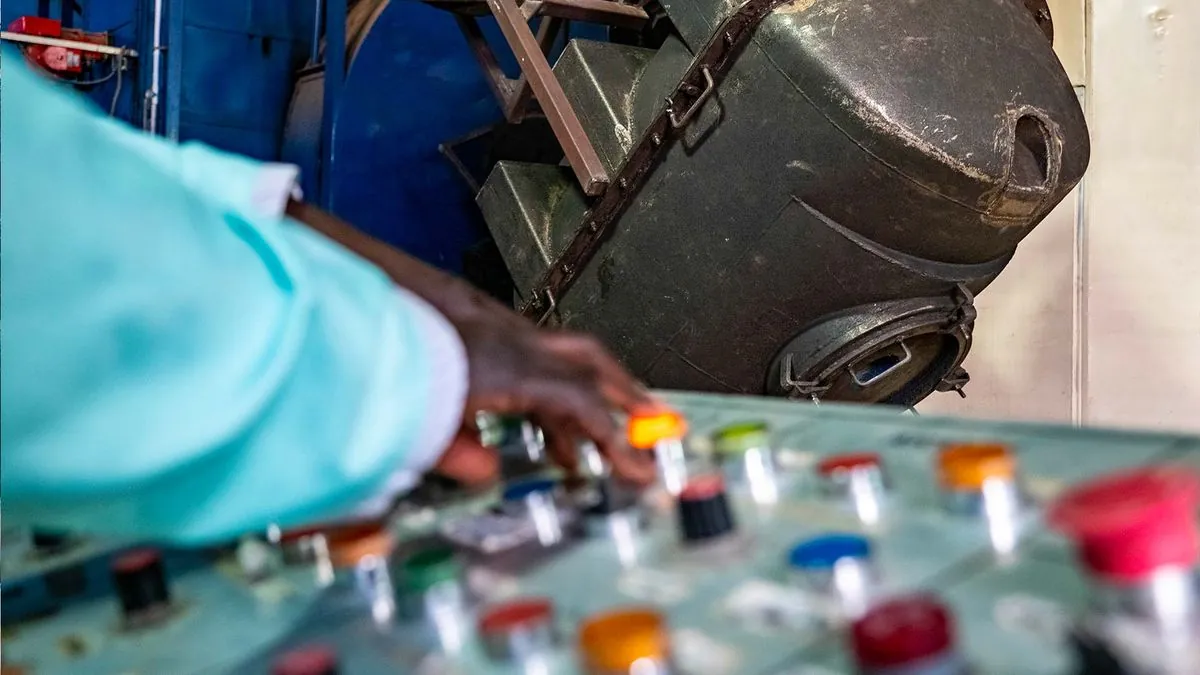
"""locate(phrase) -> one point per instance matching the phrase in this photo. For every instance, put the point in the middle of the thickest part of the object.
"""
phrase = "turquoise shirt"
(178, 364)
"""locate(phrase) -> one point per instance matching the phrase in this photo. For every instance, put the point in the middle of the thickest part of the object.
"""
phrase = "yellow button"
(612, 642)
(350, 544)
(646, 430)
(967, 466)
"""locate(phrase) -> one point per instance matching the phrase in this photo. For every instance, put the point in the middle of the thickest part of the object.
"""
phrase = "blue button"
(523, 489)
(820, 553)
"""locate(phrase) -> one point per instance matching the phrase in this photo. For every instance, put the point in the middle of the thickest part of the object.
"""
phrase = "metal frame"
(70, 44)
(537, 80)
(696, 86)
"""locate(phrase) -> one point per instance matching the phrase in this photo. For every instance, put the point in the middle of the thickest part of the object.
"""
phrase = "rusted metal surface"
(707, 69)
(605, 12)
(1041, 14)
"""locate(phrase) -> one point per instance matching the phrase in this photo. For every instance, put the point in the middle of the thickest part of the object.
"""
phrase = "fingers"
(572, 412)
(468, 462)
(560, 445)
(618, 387)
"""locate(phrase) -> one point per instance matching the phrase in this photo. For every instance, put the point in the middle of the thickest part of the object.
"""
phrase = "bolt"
(567, 269)
(623, 183)
(656, 139)
(594, 226)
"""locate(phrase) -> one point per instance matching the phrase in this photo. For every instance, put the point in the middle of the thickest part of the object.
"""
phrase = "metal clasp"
(799, 388)
(550, 311)
(709, 87)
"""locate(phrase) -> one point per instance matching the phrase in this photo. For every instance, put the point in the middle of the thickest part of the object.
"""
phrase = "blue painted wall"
(414, 84)
(232, 80)
(227, 72)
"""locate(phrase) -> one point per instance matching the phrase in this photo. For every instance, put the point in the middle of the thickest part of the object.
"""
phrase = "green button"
(426, 569)
(738, 438)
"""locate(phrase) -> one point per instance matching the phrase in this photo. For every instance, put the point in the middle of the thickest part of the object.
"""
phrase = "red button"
(902, 631)
(138, 559)
(703, 487)
(508, 616)
(848, 462)
(315, 660)
(1128, 525)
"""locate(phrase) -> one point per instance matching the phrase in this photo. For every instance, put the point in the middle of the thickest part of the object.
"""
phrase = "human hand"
(566, 383)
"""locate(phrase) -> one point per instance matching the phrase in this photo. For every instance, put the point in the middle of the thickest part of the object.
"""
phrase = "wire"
(119, 66)
(67, 80)
(117, 71)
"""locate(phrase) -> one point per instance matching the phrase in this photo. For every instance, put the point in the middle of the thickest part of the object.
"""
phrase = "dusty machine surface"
(792, 198)
(779, 540)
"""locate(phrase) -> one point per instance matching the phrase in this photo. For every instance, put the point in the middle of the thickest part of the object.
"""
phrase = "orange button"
(348, 545)
(646, 430)
(612, 642)
(967, 466)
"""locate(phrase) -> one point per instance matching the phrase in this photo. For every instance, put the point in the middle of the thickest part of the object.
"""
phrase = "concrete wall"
(1097, 319)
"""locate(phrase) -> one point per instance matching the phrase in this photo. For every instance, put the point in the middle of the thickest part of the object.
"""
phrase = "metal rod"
(314, 53)
(501, 86)
(518, 101)
(606, 12)
(151, 124)
(335, 77)
(69, 44)
(563, 121)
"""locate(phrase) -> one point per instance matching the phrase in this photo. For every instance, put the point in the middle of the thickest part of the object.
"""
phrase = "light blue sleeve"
(177, 365)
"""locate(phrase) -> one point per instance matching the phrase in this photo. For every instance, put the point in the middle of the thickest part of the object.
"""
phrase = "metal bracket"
(799, 388)
(698, 83)
(962, 318)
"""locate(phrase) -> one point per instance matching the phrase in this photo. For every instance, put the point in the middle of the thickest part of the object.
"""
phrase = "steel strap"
(697, 84)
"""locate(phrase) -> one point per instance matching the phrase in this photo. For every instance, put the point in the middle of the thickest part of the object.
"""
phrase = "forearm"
(452, 296)
(181, 363)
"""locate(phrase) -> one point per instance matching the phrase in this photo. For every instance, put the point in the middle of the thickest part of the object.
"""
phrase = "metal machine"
(793, 198)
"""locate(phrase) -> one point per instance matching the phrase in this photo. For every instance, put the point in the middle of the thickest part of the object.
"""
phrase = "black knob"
(140, 580)
(704, 510)
(49, 542)
(612, 495)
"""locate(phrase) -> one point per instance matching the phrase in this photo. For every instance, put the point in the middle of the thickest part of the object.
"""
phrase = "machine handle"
(887, 371)
(709, 87)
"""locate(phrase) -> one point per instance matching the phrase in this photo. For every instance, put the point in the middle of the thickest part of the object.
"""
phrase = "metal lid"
(738, 438)
(823, 552)
(1130, 524)
(611, 642)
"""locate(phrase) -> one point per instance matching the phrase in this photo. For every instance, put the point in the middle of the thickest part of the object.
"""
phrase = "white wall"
(1097, 319)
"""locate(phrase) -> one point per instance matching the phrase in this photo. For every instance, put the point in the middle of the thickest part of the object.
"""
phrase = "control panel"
(779, 539)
